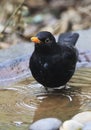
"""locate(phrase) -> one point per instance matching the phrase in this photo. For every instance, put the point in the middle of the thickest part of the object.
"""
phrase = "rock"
(14, 63)
(71, 125)
(38, 18)
(87, 126)
(4, 45)
(81, 121)
(82, 117)
(46, 124)
(84, 41)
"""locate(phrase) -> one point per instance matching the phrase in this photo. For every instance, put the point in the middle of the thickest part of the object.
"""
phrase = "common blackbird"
(53, 63)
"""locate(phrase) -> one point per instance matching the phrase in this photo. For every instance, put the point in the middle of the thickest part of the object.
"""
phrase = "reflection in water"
(59, 106)
(24, 102)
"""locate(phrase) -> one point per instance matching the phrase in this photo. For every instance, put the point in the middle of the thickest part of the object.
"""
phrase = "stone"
(87, 126)
(82, 117)
(46, 124)
(14, 63)
(71, 125)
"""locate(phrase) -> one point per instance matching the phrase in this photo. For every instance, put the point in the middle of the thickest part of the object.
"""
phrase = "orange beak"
(35, 40)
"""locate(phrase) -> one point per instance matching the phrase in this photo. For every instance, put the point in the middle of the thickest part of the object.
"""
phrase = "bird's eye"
(47, 40)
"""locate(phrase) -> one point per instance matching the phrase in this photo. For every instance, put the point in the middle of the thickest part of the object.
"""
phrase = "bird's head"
(43, 37)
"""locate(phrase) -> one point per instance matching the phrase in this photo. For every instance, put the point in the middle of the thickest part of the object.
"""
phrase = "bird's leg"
(65, 86)
(46, 88)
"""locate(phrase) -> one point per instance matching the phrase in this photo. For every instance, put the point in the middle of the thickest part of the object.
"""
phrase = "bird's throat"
(44, 49)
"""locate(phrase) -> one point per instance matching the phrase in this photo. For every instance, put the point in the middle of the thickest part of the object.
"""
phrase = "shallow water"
(27, 101)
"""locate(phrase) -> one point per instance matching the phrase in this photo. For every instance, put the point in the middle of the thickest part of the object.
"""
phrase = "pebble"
(87, 126)
(81, 121)
(71, 125)
(83, 117)
(46, 124)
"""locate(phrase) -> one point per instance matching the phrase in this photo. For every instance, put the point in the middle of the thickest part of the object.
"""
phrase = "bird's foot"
(66, 86)
(49, 90)
(61, 88)
(46, 89)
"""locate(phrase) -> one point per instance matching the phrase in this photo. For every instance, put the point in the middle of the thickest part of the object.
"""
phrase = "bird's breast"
(45, 65)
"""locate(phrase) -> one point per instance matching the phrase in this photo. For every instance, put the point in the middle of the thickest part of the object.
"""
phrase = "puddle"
(27, 101)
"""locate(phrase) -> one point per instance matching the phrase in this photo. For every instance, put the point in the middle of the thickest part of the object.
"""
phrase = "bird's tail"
(68, 38)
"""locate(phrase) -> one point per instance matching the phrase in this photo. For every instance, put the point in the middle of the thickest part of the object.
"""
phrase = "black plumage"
(53, 63)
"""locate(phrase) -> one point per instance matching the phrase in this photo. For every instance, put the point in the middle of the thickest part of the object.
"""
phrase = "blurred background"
(21, 19)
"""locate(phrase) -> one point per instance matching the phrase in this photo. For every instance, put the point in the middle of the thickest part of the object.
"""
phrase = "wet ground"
(27, 101)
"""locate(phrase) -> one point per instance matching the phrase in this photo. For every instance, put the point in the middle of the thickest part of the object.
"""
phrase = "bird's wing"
(68, 38)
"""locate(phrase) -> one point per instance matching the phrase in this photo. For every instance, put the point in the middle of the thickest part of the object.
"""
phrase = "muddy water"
(27, 101)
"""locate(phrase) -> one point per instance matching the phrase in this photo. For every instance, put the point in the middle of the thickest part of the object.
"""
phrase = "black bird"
(53, 63)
